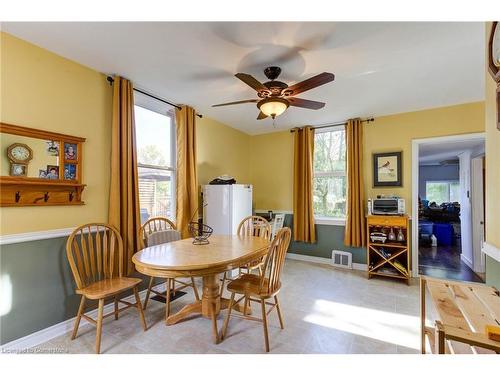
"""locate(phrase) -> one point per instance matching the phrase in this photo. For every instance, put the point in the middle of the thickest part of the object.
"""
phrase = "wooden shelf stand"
(386, 256)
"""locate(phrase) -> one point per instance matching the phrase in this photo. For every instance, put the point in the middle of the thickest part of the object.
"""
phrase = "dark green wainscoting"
(328, 238)
(492, 272)
(42, 287)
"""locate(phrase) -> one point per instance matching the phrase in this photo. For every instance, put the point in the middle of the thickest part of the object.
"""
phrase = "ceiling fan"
(275, 96)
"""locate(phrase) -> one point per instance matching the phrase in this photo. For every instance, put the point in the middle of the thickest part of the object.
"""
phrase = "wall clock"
(19, 156)
(494, 62)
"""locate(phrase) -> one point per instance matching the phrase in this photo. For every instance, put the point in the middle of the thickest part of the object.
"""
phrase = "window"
(156, 162)
(442, 191)
(330, 184)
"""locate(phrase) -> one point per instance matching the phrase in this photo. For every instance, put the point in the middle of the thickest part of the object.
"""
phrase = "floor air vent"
(341, 259)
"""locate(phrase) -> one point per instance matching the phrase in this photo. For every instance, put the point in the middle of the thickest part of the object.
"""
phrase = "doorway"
(448, 207)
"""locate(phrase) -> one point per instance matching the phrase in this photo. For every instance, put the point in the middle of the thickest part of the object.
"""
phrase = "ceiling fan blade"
(304, 103)
(261, 116)
(310, 83)
(252, 82)
(238, 102)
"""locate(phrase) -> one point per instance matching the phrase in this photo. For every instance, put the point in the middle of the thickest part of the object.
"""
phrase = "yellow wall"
(272, 163)
(49, 92)
(271, 170)
(41, 90)
(395, 133)
(221, 150)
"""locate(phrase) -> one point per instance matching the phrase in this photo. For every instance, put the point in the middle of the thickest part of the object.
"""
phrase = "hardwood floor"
(444, 262)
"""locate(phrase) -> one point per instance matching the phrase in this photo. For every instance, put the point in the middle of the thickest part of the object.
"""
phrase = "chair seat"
(249, 284)
(108, 287)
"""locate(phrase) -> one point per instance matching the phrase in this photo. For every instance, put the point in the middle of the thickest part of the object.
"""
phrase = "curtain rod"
(368, 120)
(111, 80)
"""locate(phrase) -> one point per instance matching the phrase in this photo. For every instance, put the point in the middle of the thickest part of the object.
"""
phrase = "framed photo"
(42, 173)
(52, 172)
(70, 171)
(387, 169)
(18, 170)
(70, 151)
(52, 148)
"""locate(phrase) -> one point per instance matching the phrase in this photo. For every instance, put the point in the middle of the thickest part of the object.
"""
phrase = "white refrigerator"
(225, 206)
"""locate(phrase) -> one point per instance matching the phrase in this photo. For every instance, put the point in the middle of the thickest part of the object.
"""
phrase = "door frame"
(415, 151)
(477, 214)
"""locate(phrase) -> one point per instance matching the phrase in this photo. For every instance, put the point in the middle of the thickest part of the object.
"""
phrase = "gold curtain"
(355, 228)
(187, 182)
(124, 210)
(303, 214)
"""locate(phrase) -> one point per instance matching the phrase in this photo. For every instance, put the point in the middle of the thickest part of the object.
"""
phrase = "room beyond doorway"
(448, 207)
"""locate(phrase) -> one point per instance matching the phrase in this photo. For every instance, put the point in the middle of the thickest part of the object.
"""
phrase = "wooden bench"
(464, 310)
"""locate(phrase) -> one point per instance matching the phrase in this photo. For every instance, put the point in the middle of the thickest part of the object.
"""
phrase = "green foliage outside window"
(330, 185)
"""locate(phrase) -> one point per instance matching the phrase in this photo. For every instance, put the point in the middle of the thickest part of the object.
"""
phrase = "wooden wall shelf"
(65, 188)
(39, 193)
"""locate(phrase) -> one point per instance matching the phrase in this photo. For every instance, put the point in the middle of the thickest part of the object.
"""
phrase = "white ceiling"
(381, 68)
(434, 153)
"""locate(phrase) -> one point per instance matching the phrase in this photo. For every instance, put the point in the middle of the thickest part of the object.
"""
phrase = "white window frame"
(326, 220)
(449, 182)
(173, 155)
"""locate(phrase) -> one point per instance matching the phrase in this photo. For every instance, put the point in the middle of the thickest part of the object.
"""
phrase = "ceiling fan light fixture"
(273, 106)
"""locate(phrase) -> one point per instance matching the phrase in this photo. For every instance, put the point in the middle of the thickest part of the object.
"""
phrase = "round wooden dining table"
(185, 259)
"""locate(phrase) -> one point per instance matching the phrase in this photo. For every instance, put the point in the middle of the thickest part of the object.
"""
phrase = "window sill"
(329, 221)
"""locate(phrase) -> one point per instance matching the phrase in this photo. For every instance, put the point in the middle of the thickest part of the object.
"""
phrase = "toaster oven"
(388, 206)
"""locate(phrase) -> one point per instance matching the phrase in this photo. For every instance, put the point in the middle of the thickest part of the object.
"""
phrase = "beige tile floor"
(326, 310)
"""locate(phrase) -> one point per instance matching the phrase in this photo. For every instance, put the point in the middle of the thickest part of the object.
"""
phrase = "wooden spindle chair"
(154, 225)
(255, 226)
(95, 255)
(260, 288)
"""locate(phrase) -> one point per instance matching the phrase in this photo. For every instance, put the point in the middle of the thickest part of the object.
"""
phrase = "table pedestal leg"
(210, 299)
(210, 305)
(193, 308)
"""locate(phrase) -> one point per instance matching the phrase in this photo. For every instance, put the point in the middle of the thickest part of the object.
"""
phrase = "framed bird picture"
(387, 169)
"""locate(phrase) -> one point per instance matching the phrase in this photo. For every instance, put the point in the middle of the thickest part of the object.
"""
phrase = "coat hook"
(46, 197)
(18, 196)
(71, 196)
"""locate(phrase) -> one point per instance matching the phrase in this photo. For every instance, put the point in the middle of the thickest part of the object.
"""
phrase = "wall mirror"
(38, 167)
(27, 156)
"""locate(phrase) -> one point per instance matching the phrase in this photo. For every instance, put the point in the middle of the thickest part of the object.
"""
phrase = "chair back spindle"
(275, 260)
(92, 253)
(255, 226)
(153, 225)
(279, 220)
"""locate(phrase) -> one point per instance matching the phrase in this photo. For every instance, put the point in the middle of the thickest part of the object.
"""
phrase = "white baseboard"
(466, 260)
(360, 267)
(491, 250)
(46, 334)
(313, 259)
